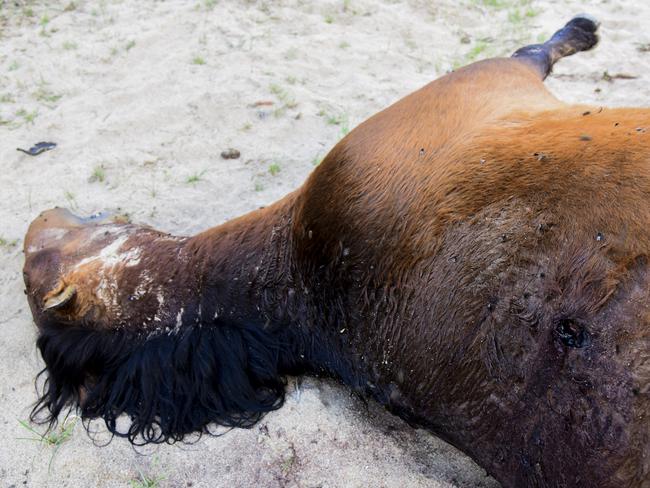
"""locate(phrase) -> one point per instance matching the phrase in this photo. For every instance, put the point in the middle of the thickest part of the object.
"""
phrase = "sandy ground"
(141, 98)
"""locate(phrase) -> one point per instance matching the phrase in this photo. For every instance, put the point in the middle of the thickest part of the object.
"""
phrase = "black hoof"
(579, 34)
(585, 22)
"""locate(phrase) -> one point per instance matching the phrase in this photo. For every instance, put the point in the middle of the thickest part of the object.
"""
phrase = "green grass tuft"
(195, 178)
(45, 95)
(478, 49)
(287, 100)
(28, 117)
(71, 198)
(98, 174)
(53, 439)
(8, 244)
(146, 481)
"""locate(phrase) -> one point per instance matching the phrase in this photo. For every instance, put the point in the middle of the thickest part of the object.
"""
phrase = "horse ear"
(59, 297)
(169, 385)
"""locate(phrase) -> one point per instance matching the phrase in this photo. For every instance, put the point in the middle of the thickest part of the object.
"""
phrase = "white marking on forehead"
(106, 291)
(110, 255)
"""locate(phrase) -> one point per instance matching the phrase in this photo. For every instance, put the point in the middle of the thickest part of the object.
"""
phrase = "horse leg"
(579, 34)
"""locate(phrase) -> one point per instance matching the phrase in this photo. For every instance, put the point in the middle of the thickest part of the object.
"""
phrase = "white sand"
(133, 104)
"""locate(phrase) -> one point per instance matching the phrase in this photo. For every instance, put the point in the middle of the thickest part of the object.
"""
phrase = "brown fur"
(442, 257)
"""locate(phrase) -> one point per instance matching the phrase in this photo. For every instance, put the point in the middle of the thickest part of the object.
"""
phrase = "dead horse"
(475, 257)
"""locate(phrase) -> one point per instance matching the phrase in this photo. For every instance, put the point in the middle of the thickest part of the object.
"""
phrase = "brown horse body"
(475, 257)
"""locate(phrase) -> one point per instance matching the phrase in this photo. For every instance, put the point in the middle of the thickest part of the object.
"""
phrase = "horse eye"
(571, 333)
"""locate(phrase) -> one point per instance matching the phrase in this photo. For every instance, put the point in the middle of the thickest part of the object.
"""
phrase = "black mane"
(169, 385)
